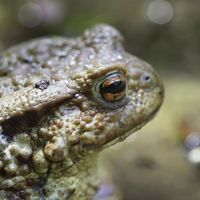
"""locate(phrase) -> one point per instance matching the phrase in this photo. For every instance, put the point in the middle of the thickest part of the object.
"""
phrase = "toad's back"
(64, 100)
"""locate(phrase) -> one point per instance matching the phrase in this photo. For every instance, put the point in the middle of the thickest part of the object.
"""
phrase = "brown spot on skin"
(22, 194)
(58, 123)
(87, 119)
(30, 182)
(54, 127)
(67, 130)
(92, 112)
(101, 126)
(76, 122)
(48, 147)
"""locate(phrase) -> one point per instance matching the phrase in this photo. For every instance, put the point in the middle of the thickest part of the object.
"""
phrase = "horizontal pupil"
(114, 88)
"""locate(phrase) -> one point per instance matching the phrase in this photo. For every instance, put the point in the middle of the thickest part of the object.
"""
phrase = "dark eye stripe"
(113, 88)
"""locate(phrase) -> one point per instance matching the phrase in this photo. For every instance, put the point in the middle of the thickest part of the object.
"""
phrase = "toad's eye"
(113, 88)
(110, 91)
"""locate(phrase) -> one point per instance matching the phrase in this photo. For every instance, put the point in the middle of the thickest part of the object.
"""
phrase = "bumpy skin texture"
(54, 118)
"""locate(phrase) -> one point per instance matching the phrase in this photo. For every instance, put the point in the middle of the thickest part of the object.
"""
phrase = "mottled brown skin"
(54, 119)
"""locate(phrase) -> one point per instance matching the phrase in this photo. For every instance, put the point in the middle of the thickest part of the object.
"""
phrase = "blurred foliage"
(173, 46)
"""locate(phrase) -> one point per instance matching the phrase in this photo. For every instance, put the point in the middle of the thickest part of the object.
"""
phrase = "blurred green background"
(154, 165)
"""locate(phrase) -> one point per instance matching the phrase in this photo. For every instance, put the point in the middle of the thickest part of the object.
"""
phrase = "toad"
(62, 101)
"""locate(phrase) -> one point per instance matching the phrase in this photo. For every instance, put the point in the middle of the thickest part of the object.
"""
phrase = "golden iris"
(113, 88)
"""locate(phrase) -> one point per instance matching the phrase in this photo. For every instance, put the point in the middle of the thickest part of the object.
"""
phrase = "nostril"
(146, 77)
